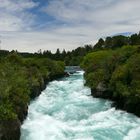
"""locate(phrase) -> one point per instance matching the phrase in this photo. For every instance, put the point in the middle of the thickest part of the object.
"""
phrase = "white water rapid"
(66, 111)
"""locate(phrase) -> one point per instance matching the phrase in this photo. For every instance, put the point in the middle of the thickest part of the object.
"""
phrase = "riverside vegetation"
(22, 79)
(115, 75)
(112, 71)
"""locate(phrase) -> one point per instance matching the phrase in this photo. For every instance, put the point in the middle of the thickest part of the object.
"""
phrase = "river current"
(65, 110)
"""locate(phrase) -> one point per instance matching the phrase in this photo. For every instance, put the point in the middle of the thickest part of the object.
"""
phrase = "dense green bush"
(97, 67)
(119, 70)
(19, 78)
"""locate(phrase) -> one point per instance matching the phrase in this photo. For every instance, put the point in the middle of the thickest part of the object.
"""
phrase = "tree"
(99, 44)
(57, 54)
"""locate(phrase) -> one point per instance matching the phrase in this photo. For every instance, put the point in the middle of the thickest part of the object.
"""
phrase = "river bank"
(10, 129)
(115, 75)
(118, 102)
(22, 80)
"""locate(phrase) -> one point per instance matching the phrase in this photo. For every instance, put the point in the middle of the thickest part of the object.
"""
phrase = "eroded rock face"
(100, 91)
(101, 87)
(10, 130)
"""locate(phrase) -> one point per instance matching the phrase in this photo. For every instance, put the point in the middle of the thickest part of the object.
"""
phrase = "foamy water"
(66, 111)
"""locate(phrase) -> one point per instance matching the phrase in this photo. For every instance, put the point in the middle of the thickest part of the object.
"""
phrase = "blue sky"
(30, 25)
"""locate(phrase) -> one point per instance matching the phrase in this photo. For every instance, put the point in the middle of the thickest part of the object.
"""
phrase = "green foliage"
(117, 41)
(19, 77)
(97, 67)
(119, 69)
(72, 58)
(95, 60)
(7, 112)
(135, 39)
(94, 78)
(100, 44)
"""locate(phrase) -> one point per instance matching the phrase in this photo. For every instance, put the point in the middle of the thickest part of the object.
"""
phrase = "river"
(66, 111)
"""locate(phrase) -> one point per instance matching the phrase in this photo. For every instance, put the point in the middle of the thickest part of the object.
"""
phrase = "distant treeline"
(117, 41)
(75, 56)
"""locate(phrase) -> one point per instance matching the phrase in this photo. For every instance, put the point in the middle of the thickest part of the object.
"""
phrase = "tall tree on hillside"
(64, 53)
(99, 44)
(108, 42)
(135, 39)
(57, 54)
(119, 41)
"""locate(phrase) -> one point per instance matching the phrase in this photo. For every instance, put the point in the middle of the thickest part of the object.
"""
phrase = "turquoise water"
(66, 111)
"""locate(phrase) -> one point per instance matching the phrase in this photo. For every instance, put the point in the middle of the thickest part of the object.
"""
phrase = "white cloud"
(33, 41)
(16, 6)
(14, 15)
(79, 22)
(96, 12)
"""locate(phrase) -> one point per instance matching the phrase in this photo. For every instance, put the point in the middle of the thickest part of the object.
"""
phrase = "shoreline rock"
(10, 130)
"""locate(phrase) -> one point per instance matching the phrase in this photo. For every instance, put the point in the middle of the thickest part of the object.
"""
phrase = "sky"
(30, 25)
